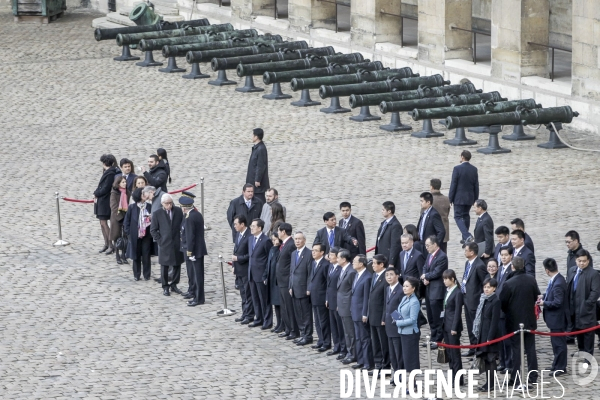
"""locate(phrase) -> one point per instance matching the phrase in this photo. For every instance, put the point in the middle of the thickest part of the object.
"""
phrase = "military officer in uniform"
(195, 246)
(188, 264)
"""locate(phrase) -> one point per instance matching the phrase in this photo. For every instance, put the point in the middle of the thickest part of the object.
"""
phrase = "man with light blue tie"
(300, 271)
(411, 260)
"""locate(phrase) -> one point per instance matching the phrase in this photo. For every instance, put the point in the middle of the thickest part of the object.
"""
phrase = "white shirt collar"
(300, 250)
(244, 232)
(319, 260)
(393, 287)
(518, 250)
(389, 219)
(358, 274)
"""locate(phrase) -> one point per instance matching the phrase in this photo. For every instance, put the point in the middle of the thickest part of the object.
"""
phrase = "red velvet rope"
(574, 333)
(371, 249)
(91, 201)
(474, 346)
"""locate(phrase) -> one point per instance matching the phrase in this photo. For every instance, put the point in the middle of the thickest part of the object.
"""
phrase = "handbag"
(442, 357)
(478, 365)
(421, 320)
(122, 242)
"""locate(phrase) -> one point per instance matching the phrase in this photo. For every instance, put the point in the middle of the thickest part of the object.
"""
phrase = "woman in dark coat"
(485, 328)
(140, 240)
(119, 202)
(162, 155)
(270, 281)
(102, 196)
(452, 321)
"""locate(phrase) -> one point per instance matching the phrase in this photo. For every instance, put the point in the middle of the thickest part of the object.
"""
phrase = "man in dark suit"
(411, 261)
(435, 265)
(504, 273)
(165, 230)
(517, 239)
(355, 229)
(518, 297)
(317, 287)
(282, 275)
(503, 236)
(442, 204)
(464, 190)
(335, 321)
(127, 171)
(258, 166)
(239, 262)
(379, 338)
(518, 223)
(471, 287)
(332, 235)
(430, 221)
(344, 294)
(556, 314)
(300, 270)
(359, 308)
(393, 297)
(388, 234)
(583, 291)
(259, 247)
(484, 231)
(196, 247)
(247, 205)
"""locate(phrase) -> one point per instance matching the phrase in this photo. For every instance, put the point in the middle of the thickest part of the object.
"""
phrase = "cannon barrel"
(326, 91)
(434, 102)
(473, 109)
(143, 14)
(360, 100)
(311, 61)
(358, 77)
(232, 62)
(263, 48)
(134, 38)
(525, 116)
(158, 44)
(242, 33)
(334, 69)
(180, 50)
(111, 33)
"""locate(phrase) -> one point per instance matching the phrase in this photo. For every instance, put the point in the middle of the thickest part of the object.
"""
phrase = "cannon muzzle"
(142, 14)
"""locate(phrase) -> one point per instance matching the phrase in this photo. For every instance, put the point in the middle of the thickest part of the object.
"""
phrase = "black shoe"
(240, 319)
(558, 373)
(304, 342)
(347, 361)
(357, 366)
(333, 353)
(323, 349)
(341, 357)
(245, 321)
(166, 292)
(118, 258)
(136, 279)
(175, 289)
(158, 280)
(277, 330)
(423, 344)
(191, 296)
(392, 383)
(483, 388)
(469, 353)
(297, 339)
(264, 328)
(125, 261)
(283, 334)
(103, 249)
(194, 304)
(500, 368)
(370, 370)
(255, 323)
(110, 251)
(315, 346)
(291, 337)
(570, 340)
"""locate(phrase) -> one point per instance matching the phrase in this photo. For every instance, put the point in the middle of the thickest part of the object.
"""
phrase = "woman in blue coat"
(136, 226)
(407, 324)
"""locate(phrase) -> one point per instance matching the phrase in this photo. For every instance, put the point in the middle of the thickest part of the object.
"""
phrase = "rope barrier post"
(522, 333)
(60, 242)
(225, 312)
(428, 351)
(206, 226)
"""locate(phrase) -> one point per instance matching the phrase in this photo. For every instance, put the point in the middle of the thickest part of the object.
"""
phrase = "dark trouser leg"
(176, 275)
(364, 353)
(469, 317)
(199, 277)
(490, 368)
(260, 196)
(444, 246)
(278, 317)
(379, 342)
(505, 355)
(260, 301)
(336, 335)
(247, 307)
(255, 300)
(585, 341)
(137, 268)
(410, 351)
(146, 247)
(462, 219)
(318, 326)
(164, 272)
(434, 310)
(189, 266)
(287, 310)
(532, 363)
(454, 358)
(303, 312)
(321, 315)
(559, 349)
(395, 345)
(349, 337)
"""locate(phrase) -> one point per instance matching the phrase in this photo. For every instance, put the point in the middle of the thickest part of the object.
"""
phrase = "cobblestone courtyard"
(74, 324)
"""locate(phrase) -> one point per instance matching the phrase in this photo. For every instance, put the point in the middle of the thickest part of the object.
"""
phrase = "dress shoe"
(284, 334)
(483, 388)
(357, 366)
(341, 357)
(392, 383)
(370, 370)
(333, 353)
(570, 340)
(157, 280)
(110, 251)
(175, 289)
(124, 259)
(469, 353)
(103, 249)
(245, 321)
(347, 361)
(373, 371)
(119, 261)
(278, 330)
(304, 342)
(255, 323)
(291, 337)
(500, 368)
(557, 373)
(323, 349)
(191, 296)
(264, 328)
(297, 339)
(166, 292)
(315, 346)
(136, 279)
(423, 344)
(146, 279)
(194, 304)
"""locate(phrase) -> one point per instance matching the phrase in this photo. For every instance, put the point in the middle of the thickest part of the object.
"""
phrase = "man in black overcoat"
(247, 205)
(258, 166)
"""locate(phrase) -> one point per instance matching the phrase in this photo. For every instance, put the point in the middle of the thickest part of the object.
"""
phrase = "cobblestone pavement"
(74, 324)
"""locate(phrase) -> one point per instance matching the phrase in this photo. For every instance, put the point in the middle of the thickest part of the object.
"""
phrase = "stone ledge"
(328, 34)
(104, 24)
(467, 65)
(280, 24)
(562, 87)
(397, 50)
(117, 18)
(214, 9)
